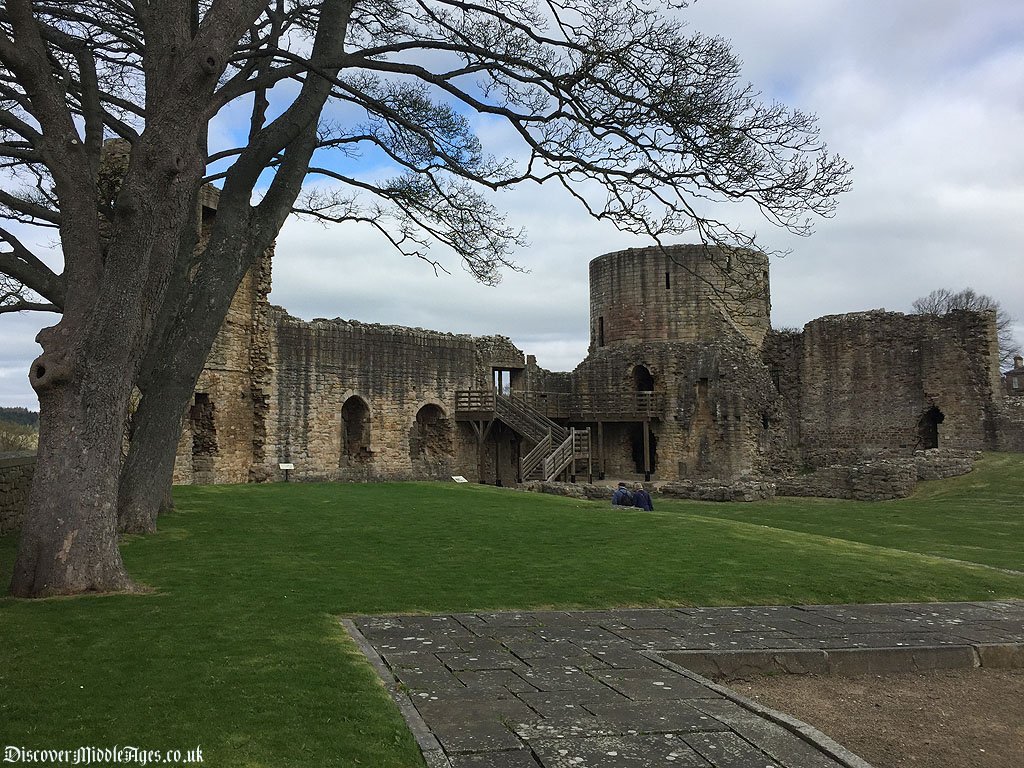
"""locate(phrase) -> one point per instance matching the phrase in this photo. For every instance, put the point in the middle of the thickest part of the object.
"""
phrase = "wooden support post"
(590, 459)
(647, 450)
(482, 430)
(497, 463)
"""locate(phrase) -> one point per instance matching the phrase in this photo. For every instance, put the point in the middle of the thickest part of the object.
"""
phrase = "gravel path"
(956, 719)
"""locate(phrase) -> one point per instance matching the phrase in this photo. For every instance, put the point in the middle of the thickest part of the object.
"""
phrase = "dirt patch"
(955, 719)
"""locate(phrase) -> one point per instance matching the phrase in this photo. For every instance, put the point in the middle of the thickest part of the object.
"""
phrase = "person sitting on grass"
(622, 496)
(642, 499)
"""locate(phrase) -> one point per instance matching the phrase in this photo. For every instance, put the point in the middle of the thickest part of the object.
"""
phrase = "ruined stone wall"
(16, 470)
(874, 480)
(782, 353)
(866, 382)
(721, 416)
(344, 400)
(537, 379)
(224, 431)
(357, 401)
(684, 293)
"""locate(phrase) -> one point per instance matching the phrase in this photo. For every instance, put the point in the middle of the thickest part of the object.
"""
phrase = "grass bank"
(238, 649)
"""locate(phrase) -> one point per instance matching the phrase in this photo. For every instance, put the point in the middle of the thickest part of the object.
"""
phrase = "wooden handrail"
(581, 406)
(535, 457)
(575, 446)
(474, 400)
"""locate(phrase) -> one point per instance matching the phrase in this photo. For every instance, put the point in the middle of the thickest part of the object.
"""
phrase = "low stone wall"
(743, 490)
(940, 463)
(879, 479)
(16, 470)
(875, 480)
(572, 490)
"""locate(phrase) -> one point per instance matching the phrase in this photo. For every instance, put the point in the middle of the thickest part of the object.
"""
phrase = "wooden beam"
(647, 449)
(482, 430)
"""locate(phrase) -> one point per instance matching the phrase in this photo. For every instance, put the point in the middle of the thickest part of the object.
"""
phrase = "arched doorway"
(355, 431)
(928, 428)
(430, 441)
(643, 379)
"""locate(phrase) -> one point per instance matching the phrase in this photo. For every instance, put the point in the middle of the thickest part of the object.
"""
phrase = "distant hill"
(21, 416)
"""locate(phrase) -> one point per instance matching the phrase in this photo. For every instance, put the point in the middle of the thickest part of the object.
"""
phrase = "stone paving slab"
(624, 687)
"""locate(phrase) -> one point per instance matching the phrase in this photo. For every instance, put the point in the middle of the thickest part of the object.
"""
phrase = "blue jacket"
(622, 497)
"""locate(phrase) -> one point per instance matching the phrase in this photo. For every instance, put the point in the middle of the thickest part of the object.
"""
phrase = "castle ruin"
(684, 381)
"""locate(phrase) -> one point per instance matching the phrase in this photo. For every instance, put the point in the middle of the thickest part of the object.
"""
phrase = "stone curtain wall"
(782, 353)
(687, 293)
(16, 470)
(346, 397)
(866, 379)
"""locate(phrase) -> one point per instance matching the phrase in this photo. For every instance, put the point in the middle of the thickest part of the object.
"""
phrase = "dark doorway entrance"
(636, 439)
(430, 441)
(355, 430)
(928, 428)
(204, 430)
(643, 379)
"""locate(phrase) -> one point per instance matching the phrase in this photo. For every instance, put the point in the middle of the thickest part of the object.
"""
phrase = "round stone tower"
(678, 293)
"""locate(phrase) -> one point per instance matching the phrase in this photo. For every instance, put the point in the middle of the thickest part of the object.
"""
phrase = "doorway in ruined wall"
(643, 379)
(639, 434)
(928, 428)
(636, 441)
(430, 442)
(204, 438)
(355, 432)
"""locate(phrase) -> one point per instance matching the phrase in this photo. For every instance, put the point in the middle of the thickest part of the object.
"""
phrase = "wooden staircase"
(556, 448)
(575, 447)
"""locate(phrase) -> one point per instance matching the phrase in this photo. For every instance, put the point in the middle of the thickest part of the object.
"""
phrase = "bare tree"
(645, 123)
(942, 301)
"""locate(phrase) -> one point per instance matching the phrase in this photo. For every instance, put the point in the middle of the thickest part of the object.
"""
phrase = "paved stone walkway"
(624, 688)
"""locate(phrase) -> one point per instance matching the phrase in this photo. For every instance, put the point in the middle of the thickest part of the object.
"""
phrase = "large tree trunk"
(84, 380)
(148, 472)
(169, 376)
(146, 477)
(241, 234)
(120, 252)
(69, 538)
(144, 489)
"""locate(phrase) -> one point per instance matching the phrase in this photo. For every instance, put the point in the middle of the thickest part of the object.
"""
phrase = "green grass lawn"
(238, 649)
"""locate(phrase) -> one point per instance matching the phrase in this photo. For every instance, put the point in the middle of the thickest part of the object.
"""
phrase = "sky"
(925, 99)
